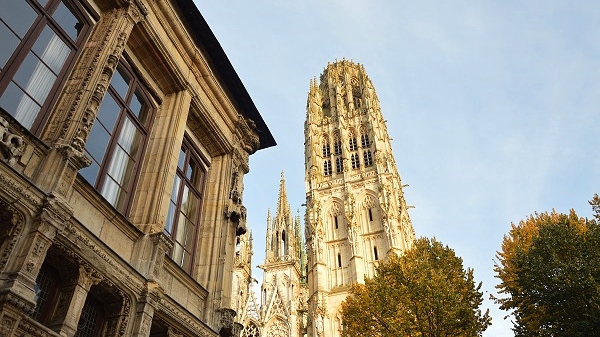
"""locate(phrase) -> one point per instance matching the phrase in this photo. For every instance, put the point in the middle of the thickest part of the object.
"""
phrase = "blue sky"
(493, 106)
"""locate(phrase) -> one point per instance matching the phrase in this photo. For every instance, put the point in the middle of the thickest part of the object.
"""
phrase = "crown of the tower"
(343, 90)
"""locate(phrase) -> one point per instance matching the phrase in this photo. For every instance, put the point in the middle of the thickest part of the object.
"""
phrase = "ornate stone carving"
(15, 222)
(162, 244)
(226, 322)
(248, 134)
(11, 145)
(17, 302)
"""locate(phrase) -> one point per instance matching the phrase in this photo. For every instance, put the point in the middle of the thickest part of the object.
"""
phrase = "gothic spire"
(283, 207)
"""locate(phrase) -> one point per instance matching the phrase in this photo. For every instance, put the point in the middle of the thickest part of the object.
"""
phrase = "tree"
(549, 268)
(425, 292)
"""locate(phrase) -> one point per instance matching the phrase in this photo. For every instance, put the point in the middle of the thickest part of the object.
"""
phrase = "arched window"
(327, 167)
(352, 143)
(46, 293)
(326, 150)
(337, 146)
(364, 140)
(354, 159)
(339, 165)
(368, 158)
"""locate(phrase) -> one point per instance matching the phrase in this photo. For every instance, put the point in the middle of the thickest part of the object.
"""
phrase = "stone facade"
(356, 213)
(282, 309)
(125, 135)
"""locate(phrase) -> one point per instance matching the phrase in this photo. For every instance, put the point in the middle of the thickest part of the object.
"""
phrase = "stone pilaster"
(151, 203)
(146, 307)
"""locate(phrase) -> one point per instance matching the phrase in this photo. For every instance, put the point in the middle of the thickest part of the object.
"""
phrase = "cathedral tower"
(356, 213)
(284, 291)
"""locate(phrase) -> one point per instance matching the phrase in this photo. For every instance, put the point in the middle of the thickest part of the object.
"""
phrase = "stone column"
(72, 298)
(142, 322)
(151, 203)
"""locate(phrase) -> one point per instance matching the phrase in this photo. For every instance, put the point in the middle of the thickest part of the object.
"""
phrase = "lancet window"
(368, 158)
(339, 165)
(327, 167)
(355, 160)
(352, 143)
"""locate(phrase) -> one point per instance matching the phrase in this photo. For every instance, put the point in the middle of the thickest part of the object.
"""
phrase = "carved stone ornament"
(248, 134)
(17, 220)
(226, 322)
(11, 145)
(237, 215)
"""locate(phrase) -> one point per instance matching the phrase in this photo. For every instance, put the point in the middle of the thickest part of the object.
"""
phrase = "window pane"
(90, 173)
(190, 209)
(111, 191)
(67, 21)
(170, 218)
(120, 166)
(120, 82)
(130, 138)
(139, 107)
(186, 262)
(108, 112)
(18, 15)
(175, 191)
(9, 42)
(181, 160)
(51, 49)
(189, 237)
(100, 138)
(189, 170)
(19, 105)
(35, 78)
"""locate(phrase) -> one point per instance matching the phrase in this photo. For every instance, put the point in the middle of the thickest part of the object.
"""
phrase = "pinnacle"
(283, 207)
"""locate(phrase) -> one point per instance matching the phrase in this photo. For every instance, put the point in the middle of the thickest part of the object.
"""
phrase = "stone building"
(282, 309)
(356, 213)
(125, 134)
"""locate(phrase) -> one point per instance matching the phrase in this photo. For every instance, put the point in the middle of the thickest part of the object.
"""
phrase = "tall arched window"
(327, 167)
(367, 158)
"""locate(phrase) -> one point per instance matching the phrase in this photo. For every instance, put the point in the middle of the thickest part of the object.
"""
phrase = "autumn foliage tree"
(549, 268)
(425, 292)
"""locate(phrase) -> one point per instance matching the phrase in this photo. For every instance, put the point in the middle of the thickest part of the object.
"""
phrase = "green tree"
(425, 292)
(549, 268)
